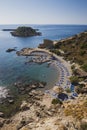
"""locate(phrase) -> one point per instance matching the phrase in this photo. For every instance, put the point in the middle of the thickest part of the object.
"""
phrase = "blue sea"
(13, 67)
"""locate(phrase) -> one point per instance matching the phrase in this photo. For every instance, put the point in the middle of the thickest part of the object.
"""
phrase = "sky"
(43, 12)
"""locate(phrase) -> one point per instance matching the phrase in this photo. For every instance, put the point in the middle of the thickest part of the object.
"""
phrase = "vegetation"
(74, 80)
(77, 111)
(68, 90)
(80, 89)
(25, 32)
(75, 49)
(56, 51)
(56, 101)
(84, 67)
(11, 109)
(83, 126)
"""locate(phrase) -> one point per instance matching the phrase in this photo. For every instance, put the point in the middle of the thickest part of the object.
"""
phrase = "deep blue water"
(12, 67)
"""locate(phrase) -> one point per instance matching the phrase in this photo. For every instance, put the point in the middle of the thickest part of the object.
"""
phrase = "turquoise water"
(13, 68)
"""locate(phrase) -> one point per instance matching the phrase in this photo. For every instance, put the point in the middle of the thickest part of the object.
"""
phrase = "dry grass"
(78, 110)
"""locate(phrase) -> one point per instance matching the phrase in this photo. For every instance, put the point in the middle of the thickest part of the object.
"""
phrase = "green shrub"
(83, 46)
(82, 52)
(68, 90)
(56, 101)
(73, 67)
(74, 79)
(84, 67)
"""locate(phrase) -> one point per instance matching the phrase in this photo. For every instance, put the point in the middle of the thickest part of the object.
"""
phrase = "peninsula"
(25, 32)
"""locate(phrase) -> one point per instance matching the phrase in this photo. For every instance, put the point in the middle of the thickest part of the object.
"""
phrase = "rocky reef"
(25, 32)
(10, 50)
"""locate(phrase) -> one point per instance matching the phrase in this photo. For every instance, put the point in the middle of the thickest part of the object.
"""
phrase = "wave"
(3, 92)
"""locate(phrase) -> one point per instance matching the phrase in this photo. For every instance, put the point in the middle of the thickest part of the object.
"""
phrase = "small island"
(25, 32)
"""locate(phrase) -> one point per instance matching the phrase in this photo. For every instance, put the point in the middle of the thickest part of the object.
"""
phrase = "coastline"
(64, 67)
(37, 111)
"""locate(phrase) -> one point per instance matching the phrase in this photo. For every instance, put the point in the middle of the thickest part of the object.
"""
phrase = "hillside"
(74, 48)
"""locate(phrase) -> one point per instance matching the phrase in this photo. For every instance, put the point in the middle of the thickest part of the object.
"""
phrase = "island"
(25, 32)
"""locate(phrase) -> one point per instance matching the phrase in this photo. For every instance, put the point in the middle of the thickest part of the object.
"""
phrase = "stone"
(2, 121)
(1, 114)
(10, 101)
(10, 50)
(24, 106)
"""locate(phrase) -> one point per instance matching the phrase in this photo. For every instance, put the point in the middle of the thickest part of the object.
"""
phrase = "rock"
(24, 106)
(1, 114)
(47, 44)
(49, 113)
(10, 101)
(41, 85)
(10, 50)
(8, 121)
(2, 121)
(21, 124)
(33, 86)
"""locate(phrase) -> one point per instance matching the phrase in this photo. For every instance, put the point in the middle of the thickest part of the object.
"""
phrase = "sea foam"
(3, 92)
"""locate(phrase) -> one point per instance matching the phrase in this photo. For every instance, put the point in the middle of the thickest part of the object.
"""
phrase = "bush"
(84, 46)
(57, 52)
(68, 90)
(73, 67)
(56, 101)
(84, 67)
(80, 62)
(82, 52)
(78, 89)
(74, 79)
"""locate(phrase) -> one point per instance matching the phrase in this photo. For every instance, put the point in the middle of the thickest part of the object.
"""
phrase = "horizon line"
(40, 24)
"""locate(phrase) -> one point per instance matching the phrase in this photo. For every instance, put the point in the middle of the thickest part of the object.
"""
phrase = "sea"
(13, 67)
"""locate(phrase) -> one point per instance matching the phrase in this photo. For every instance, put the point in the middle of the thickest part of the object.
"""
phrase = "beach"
(63, 67)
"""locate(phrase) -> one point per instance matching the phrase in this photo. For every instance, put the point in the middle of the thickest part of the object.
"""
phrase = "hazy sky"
(43, 11)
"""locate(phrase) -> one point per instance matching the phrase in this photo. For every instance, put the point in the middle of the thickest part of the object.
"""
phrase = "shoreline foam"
(3, 92)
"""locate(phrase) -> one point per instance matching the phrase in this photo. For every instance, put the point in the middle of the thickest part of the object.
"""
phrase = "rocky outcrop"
(26, 88)
(25, 32)
(35, 115)
(10, 50)
(46, 44)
